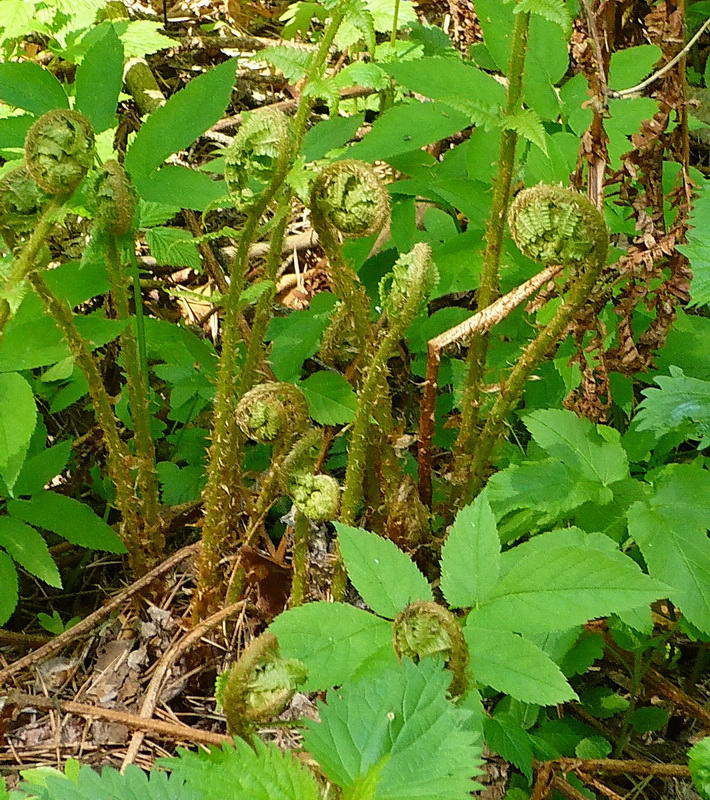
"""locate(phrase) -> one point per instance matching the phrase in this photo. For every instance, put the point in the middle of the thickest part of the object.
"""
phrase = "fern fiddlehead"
(272, 411)
(541, 219)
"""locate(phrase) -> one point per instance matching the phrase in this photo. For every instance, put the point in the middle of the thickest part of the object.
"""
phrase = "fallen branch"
(170, 730)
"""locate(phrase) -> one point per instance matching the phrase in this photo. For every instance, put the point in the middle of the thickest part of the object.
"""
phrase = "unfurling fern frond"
(526, 123)
(552, 10)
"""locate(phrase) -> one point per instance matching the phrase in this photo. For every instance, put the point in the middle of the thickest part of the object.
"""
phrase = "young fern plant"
(551, 225)
(59, 151)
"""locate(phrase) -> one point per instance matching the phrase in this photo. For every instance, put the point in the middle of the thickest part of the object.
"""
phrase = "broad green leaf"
(508, 663)
(14, 129)
(8, 587)
(670, 529)
(553, 589)
(434, 77)
(184, 117)
(27, 85)
(335, 641)
(625, 119)
(680, 402)
(29, 549)
(68, 518)
(470, 557)
(193, 189)
(386, 578)
(18, 417)
(142, 37)
(546, 63)
(39, 469)
(397, 732)
(406, 127)
(594, 452)
(331, 399)
(505, 737)
(329, 134)
(630, 66)
(98, 81)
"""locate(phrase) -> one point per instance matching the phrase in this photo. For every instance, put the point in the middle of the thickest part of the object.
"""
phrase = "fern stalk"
(118, 460)
(222, 498)
(138, 398)
(489, 286)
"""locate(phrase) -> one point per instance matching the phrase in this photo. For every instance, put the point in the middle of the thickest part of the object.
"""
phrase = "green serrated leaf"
(670, 529)
(68, 518)
(386, 578)
(470, 557)
(98, 81)
(331, 399)
(556, 588)
(18, 417)
(552, 10)
(697, 250)
(28, 548)
(400, 731)
(335, 641)
(514, 665)
(8, 581)
(173, 247)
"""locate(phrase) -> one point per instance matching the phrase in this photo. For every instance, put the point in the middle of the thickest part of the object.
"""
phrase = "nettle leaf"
(331, 399)
(99, 79)
(680, 402)
(69, 518)
(526, 123)
(516, 666)
(670, 529)
(18, 417)
(556, 588)
(594, 452)
(470, 557)
(8, 581)
(335, 641)
(173, 247)
(697, 250)
(386, 578)
(184, 117)
(257, 770)
(27, 85)
(293, 61)
(29, 549)
(397, 737)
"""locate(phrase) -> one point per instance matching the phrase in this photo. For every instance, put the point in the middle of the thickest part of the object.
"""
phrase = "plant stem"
(138, 398)
(301, 532)
(532, 356)
(118, 458)
(25, 261)
(223, 503)
(488, 289)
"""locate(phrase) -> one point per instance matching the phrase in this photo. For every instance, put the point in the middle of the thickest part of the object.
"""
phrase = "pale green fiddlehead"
(259, 686)
(427, 629)
(563, 227)
(59, 150)
(272, 411)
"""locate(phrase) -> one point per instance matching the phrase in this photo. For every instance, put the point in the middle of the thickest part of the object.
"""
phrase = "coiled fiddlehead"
(21, 202)
(254, 151)
(553, 225)
(316, 496)
(272, 411)
(115, 199)
(563, 227)
(349, 196)
(427, 629)
(59, 150)
(259, 686)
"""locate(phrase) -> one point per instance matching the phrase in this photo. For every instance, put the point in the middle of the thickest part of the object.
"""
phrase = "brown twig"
(287, 105)
(171, 655)
(170, 730)
(480, 322)
(560, 785)
(28, 641)
(90, 622)
(616, 766)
